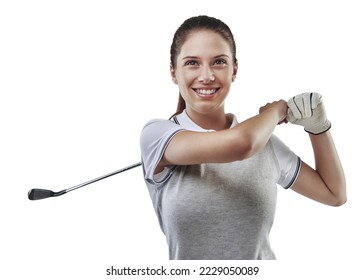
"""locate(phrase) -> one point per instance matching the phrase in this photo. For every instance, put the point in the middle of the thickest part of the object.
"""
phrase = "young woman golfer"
(213, 180)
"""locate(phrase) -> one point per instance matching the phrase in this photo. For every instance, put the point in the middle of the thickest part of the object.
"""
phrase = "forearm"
(257, 130)
(237, 143)
(328, 164)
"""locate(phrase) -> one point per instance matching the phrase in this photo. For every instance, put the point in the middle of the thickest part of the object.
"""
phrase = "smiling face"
(204, 72)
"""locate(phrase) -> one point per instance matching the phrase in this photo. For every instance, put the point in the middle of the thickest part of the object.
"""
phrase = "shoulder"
(157, 121)
(158, 129)
(278, 145)
(158, 125)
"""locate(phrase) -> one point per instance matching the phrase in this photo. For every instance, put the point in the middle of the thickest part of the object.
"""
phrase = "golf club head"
(35, 194)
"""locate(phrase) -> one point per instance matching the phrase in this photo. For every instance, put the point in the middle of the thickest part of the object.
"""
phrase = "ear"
(235, 71)
(173, 74)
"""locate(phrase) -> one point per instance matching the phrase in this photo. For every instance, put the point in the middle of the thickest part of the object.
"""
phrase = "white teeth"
(206, 91)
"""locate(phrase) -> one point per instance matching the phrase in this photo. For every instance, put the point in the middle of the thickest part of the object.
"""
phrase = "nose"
(206, 75)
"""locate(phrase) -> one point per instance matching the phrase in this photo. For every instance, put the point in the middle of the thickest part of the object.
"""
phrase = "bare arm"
(326, 183)
(237, 143)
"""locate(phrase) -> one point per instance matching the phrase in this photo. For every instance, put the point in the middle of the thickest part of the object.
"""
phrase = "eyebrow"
(195, 57)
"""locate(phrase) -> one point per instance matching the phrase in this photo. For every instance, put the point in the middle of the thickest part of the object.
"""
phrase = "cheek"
(224, 76)
(185, 78)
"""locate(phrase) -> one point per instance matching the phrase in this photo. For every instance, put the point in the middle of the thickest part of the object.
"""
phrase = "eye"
(220, 61)
(191, 63)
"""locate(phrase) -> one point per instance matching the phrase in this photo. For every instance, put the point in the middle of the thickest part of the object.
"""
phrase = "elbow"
(339, 201)
(341, 197)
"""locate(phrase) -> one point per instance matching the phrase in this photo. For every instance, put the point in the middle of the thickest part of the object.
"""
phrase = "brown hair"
(193, 24)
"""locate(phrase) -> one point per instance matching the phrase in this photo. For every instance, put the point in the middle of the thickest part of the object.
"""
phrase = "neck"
(214, 120)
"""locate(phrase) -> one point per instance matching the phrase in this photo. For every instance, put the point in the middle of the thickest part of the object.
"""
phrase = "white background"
(78, 80)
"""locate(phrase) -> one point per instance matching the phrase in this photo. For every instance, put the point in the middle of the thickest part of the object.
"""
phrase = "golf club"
(36, 194)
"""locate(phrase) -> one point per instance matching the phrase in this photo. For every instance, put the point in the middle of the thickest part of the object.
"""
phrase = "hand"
(307, 110)
(281, 108)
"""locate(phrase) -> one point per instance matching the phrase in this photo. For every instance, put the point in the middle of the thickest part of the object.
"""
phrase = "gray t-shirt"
(215, 211)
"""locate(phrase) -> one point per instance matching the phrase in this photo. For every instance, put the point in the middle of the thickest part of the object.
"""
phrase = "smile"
(206, 91)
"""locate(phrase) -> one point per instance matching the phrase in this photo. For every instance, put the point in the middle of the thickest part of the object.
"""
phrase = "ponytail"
(180, 106)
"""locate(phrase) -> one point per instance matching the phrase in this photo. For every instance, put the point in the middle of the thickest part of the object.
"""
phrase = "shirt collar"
(185, 121)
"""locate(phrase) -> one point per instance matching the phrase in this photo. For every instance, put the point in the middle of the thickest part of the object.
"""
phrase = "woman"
(213, 180)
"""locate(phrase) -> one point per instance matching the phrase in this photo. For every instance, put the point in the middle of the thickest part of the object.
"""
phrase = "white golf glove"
(307, 110)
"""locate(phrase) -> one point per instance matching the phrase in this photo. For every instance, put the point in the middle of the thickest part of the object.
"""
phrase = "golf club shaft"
(103, 177)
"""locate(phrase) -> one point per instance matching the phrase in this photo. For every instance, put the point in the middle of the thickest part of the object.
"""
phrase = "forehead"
(204, 43)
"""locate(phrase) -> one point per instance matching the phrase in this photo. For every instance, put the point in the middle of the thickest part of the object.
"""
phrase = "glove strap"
(326, 128)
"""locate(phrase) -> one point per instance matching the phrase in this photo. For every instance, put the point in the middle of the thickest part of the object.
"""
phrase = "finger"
(261, 109)
(294, 104)
(307, 105)
(284, 121)
(290, 117)
(316, 99)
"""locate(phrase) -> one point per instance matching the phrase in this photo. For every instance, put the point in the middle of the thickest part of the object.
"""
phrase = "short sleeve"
(289, 163)
(155, 136)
